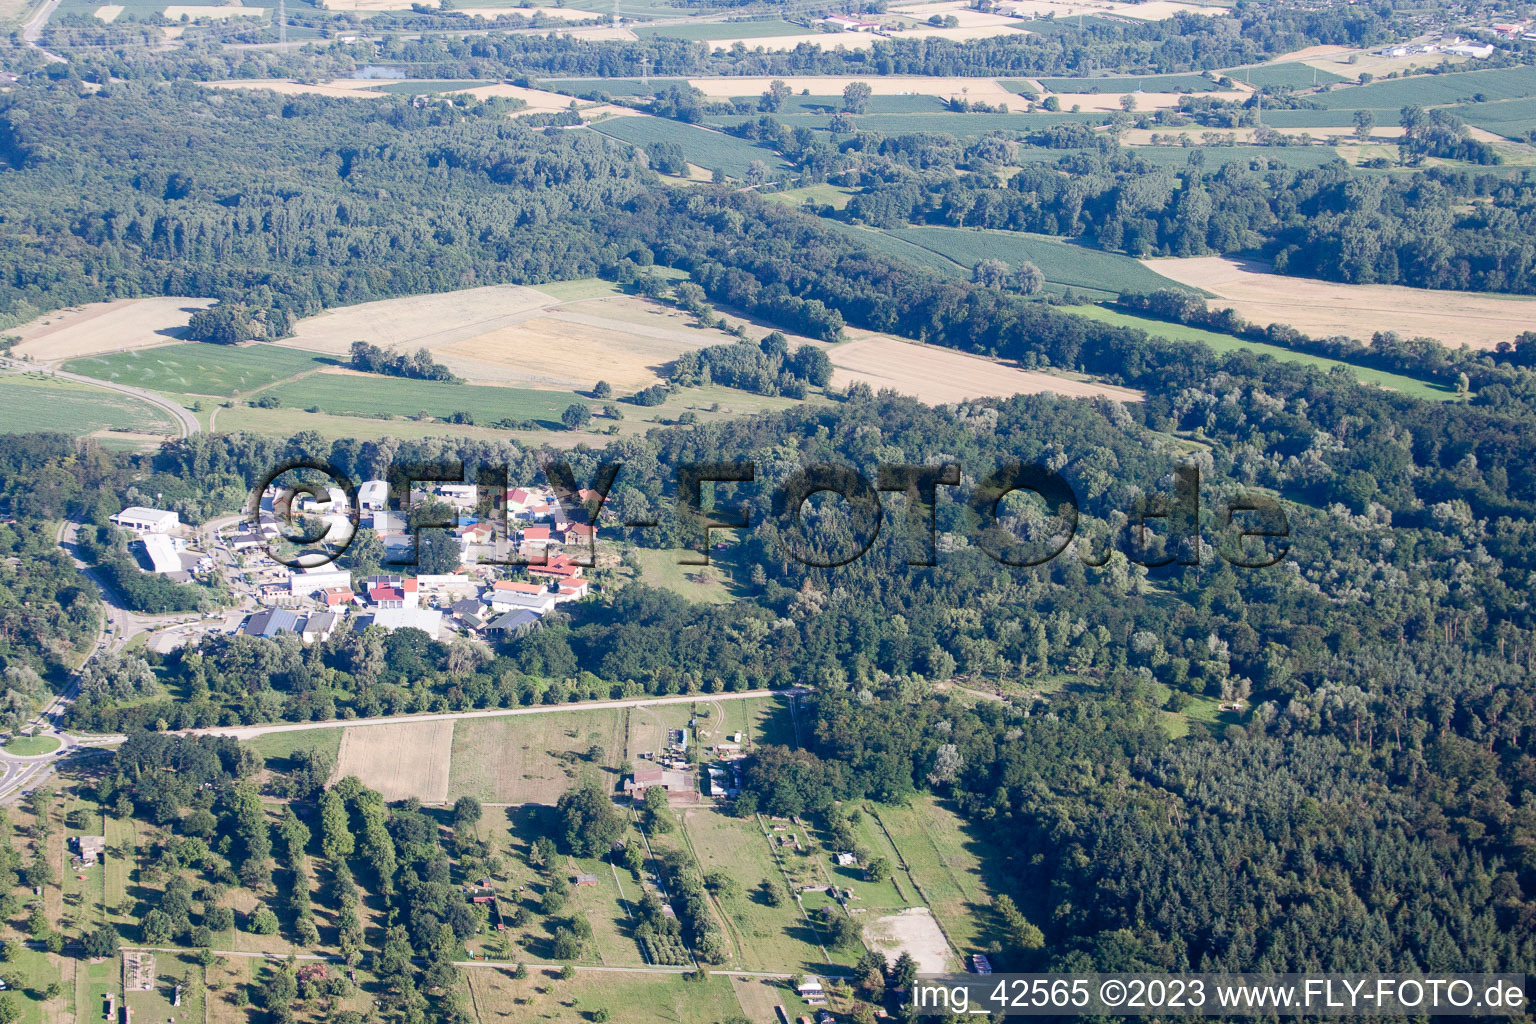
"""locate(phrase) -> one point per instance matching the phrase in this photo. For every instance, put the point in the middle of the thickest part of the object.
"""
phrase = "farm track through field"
(244, 396)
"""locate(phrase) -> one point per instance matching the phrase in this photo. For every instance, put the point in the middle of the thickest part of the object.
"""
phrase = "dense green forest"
(1182, 43)
(1363, 800)
(287, 203)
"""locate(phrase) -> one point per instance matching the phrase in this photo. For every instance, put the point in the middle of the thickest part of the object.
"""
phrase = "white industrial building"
(162, 553)
(317, 578)
(147, 520)
(428, 620)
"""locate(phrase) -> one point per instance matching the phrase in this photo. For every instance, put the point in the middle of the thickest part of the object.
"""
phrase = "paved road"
(32, 30)
(19, 774)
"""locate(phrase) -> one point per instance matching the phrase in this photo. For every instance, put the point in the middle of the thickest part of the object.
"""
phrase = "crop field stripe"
(1062, 262)
(199, 368)
(1434, 90)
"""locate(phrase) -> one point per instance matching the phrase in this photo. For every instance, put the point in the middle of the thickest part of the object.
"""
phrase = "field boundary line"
(906, 867)
(725, 919)
(799, 904)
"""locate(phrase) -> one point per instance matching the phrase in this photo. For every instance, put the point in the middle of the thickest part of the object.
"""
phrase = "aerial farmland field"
(532, 758)
(1062, 262)
(353, 394)
(199, 368)
(399, 760)
(35, 401)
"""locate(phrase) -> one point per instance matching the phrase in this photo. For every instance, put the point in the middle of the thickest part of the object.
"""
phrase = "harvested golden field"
(1160, 10)
(987, 90)
(100, 327)
(345, 88)
(968, 17)
(940, 376)
(108, 12)
(508, 334)
(417, 320)
(1325, 309)
(399, 759)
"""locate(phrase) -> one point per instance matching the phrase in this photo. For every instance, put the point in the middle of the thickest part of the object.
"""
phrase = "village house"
(572, 591)
(557, 567)
(394, 592)
(319, 626)
(513, 623)
(271, 623)
(373, 495)
(90, 849)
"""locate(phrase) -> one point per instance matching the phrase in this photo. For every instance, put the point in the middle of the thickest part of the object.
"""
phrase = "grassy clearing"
(279, 747)
(200, 369)
(543, 997)
(950, 868)
(31, 746)
(534, 758)
(711, 149)
(34, 401)
(1063, 263)
(359, 395)
(769, 938)
(1229, 343)
(701, 584)
(834, 196)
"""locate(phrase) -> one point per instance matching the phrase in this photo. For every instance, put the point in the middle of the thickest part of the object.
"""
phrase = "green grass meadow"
(196, 368)
(358, 395)
(1063, 263)
(34, 401)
